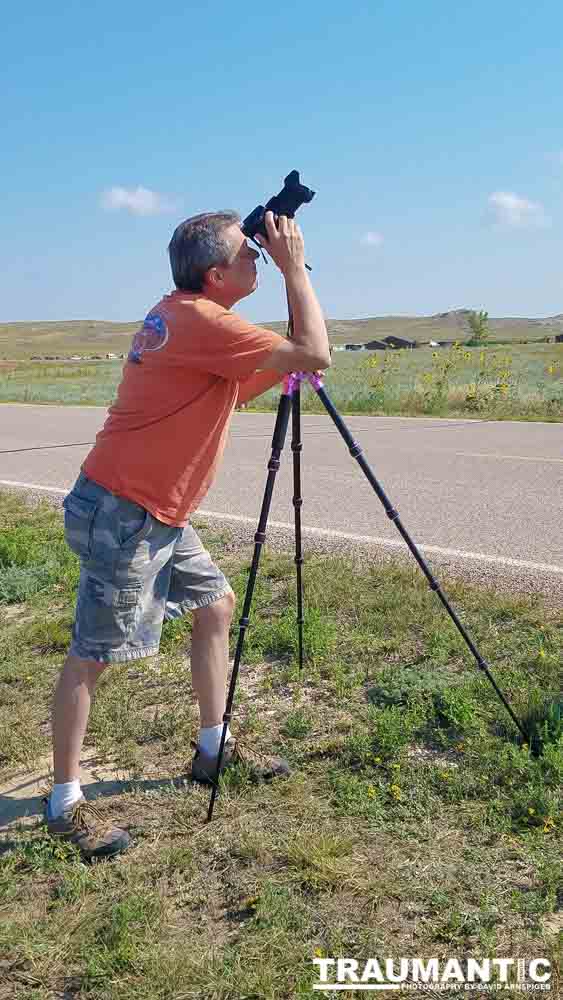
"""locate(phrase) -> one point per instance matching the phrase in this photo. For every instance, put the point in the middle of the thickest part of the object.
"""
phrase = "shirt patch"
(152, 336)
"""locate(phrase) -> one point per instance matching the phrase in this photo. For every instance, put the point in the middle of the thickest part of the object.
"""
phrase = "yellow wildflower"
(318, 953)
(371, 791)
(532, 812)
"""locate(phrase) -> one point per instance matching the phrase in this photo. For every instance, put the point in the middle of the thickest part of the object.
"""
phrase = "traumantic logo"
(483, 974)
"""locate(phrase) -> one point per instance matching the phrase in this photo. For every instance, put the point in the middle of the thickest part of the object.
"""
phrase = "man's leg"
(210, 663)
(65, 805)
(210, 658)
(71, 708)
(198, 586)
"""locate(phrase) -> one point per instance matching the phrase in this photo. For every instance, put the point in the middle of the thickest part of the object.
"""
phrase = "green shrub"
(20, 583)
(297, 724)
(407, 685)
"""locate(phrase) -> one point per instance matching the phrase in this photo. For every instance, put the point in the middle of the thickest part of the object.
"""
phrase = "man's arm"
(309, 347)
(254, 385)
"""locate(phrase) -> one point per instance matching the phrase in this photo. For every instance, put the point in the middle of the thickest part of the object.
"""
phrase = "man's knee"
(85, 671)
(218, 614)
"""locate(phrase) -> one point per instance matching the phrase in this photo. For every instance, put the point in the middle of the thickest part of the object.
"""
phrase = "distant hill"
(443, 326)
(88, 337)
(22, 340)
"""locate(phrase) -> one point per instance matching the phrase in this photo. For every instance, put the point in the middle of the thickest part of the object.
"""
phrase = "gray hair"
(198, 244)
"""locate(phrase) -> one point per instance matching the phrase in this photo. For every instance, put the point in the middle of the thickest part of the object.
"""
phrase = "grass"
(523, 383)
(415, 822)
(24, 340)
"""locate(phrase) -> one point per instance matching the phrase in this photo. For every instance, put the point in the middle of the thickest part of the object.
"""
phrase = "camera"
(290, 198)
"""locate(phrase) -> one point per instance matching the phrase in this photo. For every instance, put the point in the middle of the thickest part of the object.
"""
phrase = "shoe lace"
(245, 753)
(84, 813)
(242, 751)
(81, 812)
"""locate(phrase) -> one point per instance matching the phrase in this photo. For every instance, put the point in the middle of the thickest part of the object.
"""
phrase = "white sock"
(64, 796)
(210, 739)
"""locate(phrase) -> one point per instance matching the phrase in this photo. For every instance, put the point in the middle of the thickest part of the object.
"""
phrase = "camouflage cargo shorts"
(135, 572)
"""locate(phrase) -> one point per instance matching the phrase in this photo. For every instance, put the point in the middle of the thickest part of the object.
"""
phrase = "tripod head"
(290, 198)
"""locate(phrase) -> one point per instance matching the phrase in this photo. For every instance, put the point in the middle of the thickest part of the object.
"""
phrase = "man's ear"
(214, 277)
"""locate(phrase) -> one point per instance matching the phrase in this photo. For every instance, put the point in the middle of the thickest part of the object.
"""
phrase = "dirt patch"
(21, 794)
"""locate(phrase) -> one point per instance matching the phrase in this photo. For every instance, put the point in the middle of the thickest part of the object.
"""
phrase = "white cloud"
(508, 209)
(137, 201)
(372, 239)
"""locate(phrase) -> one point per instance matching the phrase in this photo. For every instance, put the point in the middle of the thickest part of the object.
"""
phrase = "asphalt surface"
(482, 498)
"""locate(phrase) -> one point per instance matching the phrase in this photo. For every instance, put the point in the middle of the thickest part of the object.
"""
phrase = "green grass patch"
(501, 382)
(415, 821)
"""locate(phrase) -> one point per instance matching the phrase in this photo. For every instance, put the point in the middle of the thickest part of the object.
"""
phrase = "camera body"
(290, 198)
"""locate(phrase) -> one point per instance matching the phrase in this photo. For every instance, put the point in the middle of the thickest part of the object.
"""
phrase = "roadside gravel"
(514, 580)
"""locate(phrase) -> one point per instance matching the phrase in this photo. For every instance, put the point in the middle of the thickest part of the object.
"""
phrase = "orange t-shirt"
(164, 436)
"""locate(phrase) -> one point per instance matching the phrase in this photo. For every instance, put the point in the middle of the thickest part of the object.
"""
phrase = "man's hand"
(284, 244)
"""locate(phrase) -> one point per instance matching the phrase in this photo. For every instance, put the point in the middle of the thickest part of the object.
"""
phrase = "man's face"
(239, 278)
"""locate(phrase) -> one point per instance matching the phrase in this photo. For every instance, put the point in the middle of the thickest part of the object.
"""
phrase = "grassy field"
(415, 822)
(22, 340)
(524, 381)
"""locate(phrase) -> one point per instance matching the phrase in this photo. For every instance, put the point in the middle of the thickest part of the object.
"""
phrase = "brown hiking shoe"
(84, 826)
(259, 767)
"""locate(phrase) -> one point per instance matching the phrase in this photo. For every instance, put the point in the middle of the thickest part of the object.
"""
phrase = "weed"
(297, 724)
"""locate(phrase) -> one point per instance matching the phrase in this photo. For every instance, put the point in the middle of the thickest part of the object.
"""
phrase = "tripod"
(290, 401)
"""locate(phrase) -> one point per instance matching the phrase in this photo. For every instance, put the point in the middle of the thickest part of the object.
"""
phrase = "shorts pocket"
(112, 613)
(133, 529)
(78, 520)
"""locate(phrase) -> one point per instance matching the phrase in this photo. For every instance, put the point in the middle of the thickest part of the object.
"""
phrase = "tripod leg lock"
(297, 502)
(260, 537)
(392, 514)
(273, 464)
(244, 622)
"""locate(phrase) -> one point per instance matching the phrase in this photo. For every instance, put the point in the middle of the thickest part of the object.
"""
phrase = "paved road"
(479, 494)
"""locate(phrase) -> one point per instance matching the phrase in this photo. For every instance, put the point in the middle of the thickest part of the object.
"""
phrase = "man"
(127, 517)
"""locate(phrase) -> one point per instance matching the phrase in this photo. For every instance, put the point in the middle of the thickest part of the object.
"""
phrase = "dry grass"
(404, 830)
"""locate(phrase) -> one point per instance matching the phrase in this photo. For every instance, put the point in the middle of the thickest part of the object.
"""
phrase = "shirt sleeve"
(218, 341)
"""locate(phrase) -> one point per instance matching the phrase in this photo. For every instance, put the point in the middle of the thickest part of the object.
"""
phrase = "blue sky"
(432, 133)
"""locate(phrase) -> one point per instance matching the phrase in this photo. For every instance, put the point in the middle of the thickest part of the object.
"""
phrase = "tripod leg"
(296, 447)
(278, 442)
(393, 515)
